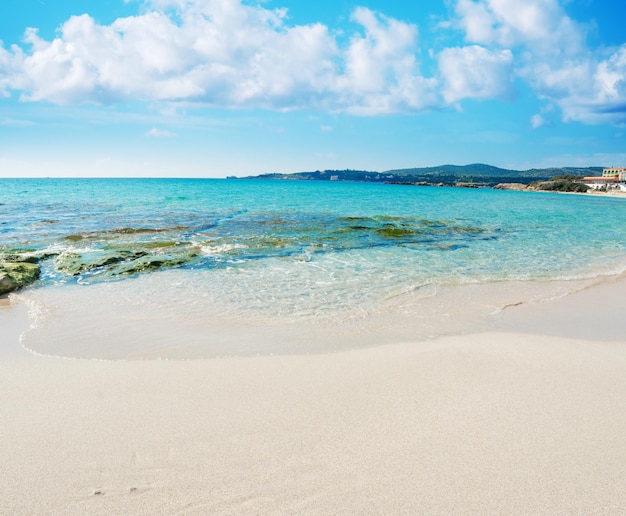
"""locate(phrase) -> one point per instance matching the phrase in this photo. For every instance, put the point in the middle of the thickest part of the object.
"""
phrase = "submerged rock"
(109, 263)
(150, 263)
(74, 264)
(15, 275)
(390, 231)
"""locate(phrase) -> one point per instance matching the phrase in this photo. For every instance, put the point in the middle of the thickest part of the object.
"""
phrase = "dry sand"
(509, 422)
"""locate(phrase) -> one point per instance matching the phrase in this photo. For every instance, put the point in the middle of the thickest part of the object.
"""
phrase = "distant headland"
(479, 175)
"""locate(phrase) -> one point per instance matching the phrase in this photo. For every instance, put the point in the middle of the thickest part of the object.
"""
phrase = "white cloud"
(220, 52)
(550, 54)
(476, 72)
(601, 97)
(160, 133)
(537, 121)
(229, 54)
(223, 53)
(381, 70)
(9, 68)
(545, 117)
(477, 21)
(539, 23)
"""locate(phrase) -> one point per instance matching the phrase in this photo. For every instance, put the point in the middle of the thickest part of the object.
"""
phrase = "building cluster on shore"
(612, 179)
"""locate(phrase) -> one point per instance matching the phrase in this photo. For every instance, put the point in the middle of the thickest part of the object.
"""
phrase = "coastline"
(525, 418)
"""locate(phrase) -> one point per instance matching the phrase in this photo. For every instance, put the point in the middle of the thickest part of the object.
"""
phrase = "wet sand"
(526, 419)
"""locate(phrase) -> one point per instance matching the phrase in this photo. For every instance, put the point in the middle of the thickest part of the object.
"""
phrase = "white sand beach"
(527, 419)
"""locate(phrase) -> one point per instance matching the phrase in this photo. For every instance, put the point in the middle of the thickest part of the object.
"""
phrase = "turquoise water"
(287, 252)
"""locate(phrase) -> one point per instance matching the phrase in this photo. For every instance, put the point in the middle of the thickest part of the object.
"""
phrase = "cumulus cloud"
(381, 69)
(9, 68)
(602, 96)
(223, 53)
(550, 54)
(230, 54)
(542, 24)
(476, 72)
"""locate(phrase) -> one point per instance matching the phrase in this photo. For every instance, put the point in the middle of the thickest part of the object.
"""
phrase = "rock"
(69, 263)
(510, 186)
(150, 263)
(107, 263)
(15, 275)
(75, 264)
(461, 184)
(22, 258)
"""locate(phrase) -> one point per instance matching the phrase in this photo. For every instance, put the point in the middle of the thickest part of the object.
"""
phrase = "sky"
(212, 88)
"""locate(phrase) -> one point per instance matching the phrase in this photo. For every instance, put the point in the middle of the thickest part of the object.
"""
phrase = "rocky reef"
(112, 254)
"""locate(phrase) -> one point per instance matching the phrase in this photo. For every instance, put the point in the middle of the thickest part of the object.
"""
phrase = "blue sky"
(210, 88)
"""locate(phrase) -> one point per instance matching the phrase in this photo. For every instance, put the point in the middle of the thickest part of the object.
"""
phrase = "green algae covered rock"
(74, 264)
(150, 263)
(15, 275)
(111, 263)
(22, 258)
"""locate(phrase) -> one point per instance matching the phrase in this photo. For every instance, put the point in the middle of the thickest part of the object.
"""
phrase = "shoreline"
(551, 316)
(188, 328)
(564, 317)
(514, 420)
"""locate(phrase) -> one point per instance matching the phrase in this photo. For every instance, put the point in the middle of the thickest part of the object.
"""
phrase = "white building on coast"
(612, 179)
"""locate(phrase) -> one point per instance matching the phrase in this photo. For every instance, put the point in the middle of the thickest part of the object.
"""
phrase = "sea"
(192, 268)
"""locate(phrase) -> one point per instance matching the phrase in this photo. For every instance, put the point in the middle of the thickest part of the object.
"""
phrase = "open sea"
(186, 268)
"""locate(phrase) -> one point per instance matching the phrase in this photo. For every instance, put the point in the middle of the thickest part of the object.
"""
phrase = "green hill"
(477, 174)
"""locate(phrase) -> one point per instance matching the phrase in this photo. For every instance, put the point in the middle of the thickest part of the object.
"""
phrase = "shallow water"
(186, 268)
